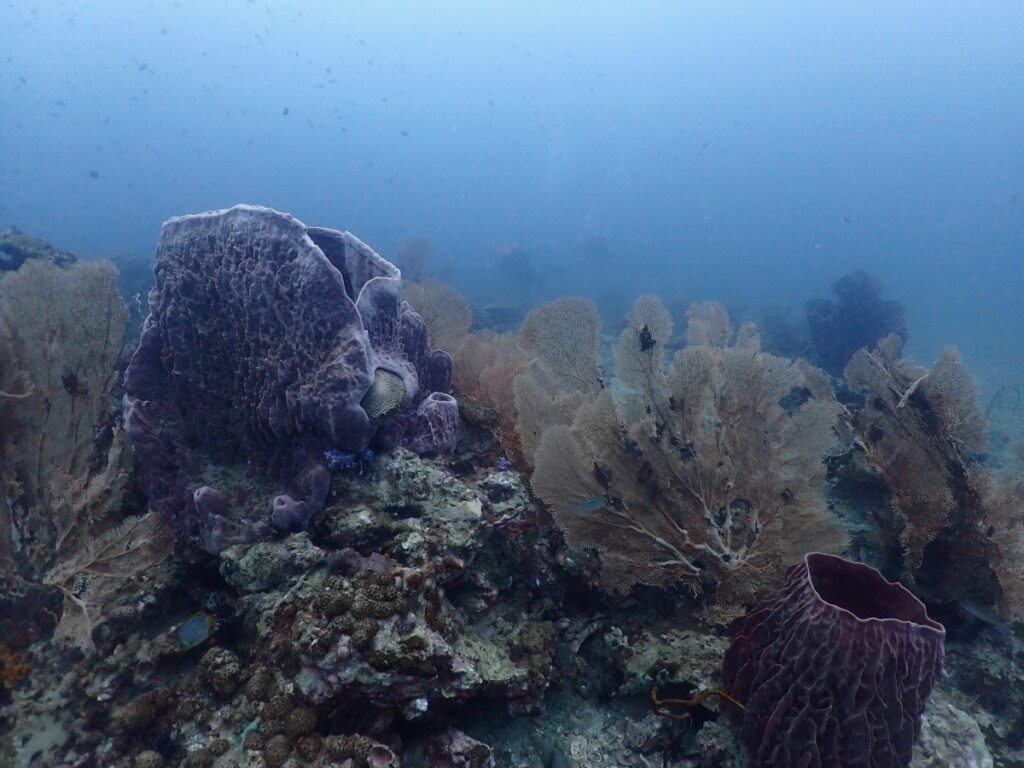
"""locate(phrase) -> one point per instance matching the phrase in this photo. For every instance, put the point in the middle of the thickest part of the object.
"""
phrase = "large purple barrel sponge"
(265, 340)
(834, 671)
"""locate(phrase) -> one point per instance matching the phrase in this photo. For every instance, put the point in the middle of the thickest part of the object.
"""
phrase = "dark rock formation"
(859, 318)
(16, 248)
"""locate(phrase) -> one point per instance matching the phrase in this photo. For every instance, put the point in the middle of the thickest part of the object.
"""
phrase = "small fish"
(195, 630)
(647, 341)
(285, 112)
(989, 616)
(70, 381)
(94, 174)
(587, 505)
(405, 133)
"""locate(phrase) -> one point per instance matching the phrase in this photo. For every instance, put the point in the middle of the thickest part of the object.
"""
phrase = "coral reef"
(397, 606)
(408, 599)
(858, 318)
(273, 341)
(382, 631)
(836, 670)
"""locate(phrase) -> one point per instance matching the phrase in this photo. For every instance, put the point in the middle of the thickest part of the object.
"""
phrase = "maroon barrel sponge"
(835, 670)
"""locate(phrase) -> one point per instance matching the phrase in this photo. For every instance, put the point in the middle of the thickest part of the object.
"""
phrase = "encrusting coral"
(709, 473)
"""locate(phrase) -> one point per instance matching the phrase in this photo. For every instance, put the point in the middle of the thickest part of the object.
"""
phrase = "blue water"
(749, 152)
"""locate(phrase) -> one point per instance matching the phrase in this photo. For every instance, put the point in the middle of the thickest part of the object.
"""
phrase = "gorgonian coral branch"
(916, 428)
(709, 472)
(64, 460)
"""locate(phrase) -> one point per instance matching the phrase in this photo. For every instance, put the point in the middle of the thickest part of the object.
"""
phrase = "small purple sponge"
(835, 670)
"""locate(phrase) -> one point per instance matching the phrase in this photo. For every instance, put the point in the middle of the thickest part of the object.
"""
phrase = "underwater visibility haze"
(511, 384)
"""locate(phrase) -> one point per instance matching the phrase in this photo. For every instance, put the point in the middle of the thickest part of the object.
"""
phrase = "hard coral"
(221, 670)
(263, 339)
(277, 750)
(835, 670)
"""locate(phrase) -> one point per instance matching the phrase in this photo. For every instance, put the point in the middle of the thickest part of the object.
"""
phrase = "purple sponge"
(263, 341)
(835, 670)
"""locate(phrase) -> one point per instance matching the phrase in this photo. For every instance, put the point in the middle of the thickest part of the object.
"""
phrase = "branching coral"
(484, 367)
(1000, 533)
(916, 427)
(709, 473)
(961, 528)
(444, 310)
(560, 340)
(64, 460)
